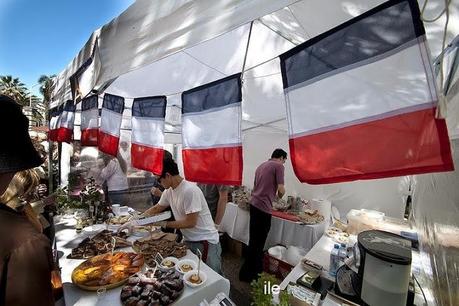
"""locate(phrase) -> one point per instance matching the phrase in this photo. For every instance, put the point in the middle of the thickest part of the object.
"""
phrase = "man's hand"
(156, 192)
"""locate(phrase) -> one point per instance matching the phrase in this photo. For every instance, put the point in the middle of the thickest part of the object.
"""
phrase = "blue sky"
(42, 36)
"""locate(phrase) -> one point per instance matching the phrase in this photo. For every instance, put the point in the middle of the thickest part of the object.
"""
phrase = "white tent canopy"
(166, 47)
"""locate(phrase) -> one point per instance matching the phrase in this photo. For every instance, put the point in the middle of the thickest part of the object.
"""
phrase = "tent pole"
(246, 49)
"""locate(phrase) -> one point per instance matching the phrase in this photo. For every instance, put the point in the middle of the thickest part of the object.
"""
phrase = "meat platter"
(152, 288)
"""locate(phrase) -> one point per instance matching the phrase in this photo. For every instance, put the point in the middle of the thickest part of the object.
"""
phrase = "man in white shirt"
(191, 213)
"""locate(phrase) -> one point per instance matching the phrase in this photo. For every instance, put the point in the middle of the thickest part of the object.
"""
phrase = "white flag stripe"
(53, 123)
(67, 120)
(110, 122)
(90, 119)
(148, 132)
(212, 130)
(395, 82)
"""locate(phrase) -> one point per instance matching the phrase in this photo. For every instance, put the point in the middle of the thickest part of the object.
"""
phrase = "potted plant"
(262, 296)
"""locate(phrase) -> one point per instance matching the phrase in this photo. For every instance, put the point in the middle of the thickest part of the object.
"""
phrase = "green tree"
(47, 84)
(14, 88)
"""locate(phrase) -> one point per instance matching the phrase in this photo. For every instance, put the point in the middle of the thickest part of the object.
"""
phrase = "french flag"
(211, 132)
(54, 122)
(361, 100)
(147, 138)
(66, 121)
(111, 117)
(89, 121)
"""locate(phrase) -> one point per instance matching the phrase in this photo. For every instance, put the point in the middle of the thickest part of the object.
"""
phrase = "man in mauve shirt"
(269, 182)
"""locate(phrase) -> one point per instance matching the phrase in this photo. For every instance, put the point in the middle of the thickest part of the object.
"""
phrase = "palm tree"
(13, 88)
(46, 89)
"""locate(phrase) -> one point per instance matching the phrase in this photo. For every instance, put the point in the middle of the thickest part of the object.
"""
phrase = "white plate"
(94, 228)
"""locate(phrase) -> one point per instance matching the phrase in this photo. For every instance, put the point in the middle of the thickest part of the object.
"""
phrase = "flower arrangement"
(91, 191)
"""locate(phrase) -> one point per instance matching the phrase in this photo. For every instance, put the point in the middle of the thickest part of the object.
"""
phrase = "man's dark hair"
(278, 153)
(169, 166)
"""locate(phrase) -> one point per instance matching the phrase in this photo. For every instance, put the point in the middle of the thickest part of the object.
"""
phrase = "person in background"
(157, 190)
(191, 212)
(269, 181)
(114, 175)
(26, 259)
(216, 197)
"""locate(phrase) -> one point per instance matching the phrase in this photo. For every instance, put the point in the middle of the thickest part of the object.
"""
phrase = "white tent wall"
(151, 30)
(436, 216)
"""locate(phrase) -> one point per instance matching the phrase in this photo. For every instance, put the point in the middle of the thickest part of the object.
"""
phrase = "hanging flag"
(361, 100)
(55, 114)
(66, 121)
(147, 138)
(89, 121)
(110, 124)
(211, 132)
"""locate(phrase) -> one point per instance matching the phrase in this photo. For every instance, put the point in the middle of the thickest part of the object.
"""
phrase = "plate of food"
(163, 246)
(154, 287)
(186, 265)
(106, 271)
(119, 220)
(194, 279)
(101, 243)
(332, 231)
(342, 237)
(310, 217)
(169, 263)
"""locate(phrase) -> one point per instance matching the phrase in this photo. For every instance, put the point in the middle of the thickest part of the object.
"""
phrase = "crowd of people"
(26, 260)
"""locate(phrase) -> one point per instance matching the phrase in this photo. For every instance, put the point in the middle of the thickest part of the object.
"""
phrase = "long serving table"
(67, 238)
(235, 223)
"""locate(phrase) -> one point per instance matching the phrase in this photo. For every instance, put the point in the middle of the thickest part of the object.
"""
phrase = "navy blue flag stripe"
(392, 25)
(69, 106)
(89, 103)
(113, 103)
(217, 94)
(151, 107)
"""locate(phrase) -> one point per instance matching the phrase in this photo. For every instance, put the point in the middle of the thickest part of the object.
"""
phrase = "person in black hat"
(25, 254)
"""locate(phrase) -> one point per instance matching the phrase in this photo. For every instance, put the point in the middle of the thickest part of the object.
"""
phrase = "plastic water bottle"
(342, 254)
(334, 260)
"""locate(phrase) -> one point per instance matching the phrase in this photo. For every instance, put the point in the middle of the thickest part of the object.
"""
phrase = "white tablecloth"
(235, 223)
(320, 254)
(67, 238)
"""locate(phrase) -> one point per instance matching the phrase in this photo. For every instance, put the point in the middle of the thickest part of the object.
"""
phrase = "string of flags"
(360, 103)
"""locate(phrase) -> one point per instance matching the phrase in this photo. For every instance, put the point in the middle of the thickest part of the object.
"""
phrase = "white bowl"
(188, 274)
(173, 259)
(190, 262)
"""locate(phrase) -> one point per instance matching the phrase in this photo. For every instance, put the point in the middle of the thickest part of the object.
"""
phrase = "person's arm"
(221, 205)
(154, 210)
(280, 181)
(162, 205)
(108, 171)
(189, 222)
(280, 190)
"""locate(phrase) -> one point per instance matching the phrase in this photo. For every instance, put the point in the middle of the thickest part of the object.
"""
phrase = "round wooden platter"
(101, 287)
(104, 287)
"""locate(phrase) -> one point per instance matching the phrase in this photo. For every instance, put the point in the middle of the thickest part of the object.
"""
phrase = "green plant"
(260, 286)
(91, 191)
(64, 201)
